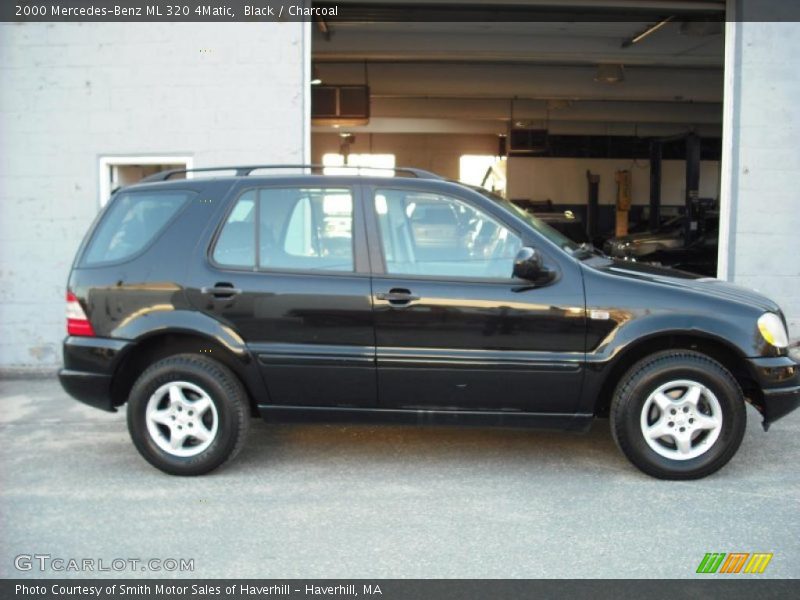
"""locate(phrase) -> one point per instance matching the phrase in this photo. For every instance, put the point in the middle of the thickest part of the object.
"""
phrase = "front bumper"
(779, 381)
(89, 364)
(779, 403)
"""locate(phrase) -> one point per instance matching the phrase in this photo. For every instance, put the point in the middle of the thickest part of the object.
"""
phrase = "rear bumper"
(90, 388)
(89, 364)
(779, 380)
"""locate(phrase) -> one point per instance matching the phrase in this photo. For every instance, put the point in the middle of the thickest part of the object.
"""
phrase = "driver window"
(429, 234)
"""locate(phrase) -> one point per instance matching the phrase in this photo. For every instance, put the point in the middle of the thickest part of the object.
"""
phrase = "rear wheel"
(678, 415)
(188, 414)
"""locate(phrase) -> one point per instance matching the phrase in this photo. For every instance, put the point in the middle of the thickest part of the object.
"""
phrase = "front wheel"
(678, 415)
(188, 414)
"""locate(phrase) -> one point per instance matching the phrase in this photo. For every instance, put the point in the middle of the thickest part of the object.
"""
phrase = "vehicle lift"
(692, 206)
(623, 203)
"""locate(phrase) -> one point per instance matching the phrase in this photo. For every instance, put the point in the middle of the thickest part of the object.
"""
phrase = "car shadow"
(331, 445)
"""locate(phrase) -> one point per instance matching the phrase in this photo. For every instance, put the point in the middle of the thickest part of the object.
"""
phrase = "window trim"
(376, 240)
(257, 268)
(190, 197)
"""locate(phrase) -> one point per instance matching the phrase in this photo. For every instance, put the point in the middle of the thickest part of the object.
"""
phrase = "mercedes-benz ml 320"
(202, 302)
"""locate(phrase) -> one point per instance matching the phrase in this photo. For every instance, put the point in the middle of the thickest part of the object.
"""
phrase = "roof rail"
(243, 171)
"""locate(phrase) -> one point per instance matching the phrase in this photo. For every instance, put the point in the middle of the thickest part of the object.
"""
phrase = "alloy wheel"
(181, 419)
(681, 419)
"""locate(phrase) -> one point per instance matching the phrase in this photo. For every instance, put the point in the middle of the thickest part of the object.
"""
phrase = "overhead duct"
(342, 105)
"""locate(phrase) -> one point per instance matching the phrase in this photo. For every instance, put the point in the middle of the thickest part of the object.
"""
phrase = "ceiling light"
(609, 74)
(315, 78)
(652, 29)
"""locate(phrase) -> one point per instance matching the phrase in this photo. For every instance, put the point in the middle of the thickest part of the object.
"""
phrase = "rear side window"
(131, 223)
(289, 228)
(236, 246)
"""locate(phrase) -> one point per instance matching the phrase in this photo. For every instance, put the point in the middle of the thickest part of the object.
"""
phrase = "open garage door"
(603, 116)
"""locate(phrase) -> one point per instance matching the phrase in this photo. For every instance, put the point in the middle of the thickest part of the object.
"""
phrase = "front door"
(288, 272)
(454, 329)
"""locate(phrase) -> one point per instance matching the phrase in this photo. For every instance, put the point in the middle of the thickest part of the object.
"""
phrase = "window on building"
(373, 164)
(118, 171)
(485, 171)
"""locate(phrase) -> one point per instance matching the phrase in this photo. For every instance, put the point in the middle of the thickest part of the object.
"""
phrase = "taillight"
(77, 323)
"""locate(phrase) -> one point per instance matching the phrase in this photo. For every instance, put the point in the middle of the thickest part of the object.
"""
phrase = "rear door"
(287, 269)
(454, 329)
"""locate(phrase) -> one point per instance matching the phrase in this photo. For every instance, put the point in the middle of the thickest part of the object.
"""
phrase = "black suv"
(205, 301)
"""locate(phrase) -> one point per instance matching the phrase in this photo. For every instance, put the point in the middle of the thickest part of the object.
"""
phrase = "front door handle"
(397, 297)
(221, 290)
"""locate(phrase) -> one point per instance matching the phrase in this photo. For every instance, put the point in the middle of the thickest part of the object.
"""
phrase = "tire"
(705, 429)
(188, 414)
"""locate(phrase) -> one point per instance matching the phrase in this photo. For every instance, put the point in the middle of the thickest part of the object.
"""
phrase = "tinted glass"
(428, 234)
(543, 228)
(298, 229)
(132, 221)
(306, 229)
(236, 246)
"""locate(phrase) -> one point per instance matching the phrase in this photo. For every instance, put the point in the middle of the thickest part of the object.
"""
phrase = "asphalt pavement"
(337, 501)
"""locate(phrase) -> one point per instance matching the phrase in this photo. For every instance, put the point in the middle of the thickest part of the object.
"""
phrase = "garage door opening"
(617, 122)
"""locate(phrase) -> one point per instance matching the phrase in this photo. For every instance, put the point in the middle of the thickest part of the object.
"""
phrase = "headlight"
(617, 248)
(772, 330)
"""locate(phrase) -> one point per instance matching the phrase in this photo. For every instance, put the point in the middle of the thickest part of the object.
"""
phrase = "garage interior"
(612, 115)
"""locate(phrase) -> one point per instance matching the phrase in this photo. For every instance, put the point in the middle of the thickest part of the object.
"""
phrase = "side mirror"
(529, 265)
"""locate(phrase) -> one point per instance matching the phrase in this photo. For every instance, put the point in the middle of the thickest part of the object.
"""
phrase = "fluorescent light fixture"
(652, 29)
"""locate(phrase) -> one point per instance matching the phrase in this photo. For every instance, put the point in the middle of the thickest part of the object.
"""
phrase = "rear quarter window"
(133, 220)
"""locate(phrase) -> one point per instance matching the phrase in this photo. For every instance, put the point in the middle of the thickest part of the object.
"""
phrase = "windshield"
(546, 230)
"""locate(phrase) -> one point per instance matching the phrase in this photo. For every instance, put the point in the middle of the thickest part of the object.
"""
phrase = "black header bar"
(652, 11)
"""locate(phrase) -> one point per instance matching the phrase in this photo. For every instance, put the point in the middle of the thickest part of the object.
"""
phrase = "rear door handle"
(221, 290)
(397, 297)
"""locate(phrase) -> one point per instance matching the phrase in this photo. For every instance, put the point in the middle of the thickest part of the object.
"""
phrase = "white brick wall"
(765, 169)
(69, 93)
